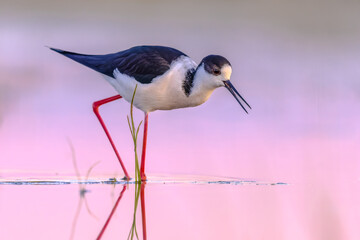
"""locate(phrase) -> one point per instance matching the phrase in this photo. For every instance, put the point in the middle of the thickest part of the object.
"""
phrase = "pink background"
(297, 64)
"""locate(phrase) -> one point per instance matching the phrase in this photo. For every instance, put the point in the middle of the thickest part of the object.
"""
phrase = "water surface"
(180, 207)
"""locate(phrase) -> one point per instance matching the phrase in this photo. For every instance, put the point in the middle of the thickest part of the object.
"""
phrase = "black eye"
(216, 71)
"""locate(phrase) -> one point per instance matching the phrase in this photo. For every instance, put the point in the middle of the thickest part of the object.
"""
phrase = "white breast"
(165, 92)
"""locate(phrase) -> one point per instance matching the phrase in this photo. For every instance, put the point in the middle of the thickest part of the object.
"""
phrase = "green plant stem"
(134, 134)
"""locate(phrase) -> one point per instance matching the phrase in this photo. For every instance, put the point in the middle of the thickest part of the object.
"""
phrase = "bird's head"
(217, 70)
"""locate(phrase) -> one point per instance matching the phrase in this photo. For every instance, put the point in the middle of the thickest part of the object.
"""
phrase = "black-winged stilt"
(166, 78)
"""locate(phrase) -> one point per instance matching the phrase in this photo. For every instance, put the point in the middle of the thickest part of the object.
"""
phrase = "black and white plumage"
(166, 78)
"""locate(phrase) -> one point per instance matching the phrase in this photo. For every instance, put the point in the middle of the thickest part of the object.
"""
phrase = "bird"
(165, 79)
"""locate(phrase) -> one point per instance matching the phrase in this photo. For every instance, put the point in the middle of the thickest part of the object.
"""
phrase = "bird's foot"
(126, 178)
(143, 177)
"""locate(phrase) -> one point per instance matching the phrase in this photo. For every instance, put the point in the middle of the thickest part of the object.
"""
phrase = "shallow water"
(173, 207)
(181, 207)
(203, 180)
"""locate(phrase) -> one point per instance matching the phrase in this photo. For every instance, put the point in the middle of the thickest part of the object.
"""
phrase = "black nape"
(188, 81)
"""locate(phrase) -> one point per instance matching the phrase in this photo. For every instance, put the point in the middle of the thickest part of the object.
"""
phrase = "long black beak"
(232, 90)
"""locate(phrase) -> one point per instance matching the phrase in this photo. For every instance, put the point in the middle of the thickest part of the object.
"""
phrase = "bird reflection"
(139, 194)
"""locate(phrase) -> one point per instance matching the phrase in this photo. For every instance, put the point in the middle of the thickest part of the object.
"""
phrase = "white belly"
(163, 93)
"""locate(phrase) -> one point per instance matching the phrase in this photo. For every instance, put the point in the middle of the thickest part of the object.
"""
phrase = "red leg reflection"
(111, 214)
(142, 167)
(96, 106)
(143, 215)
(138, 188)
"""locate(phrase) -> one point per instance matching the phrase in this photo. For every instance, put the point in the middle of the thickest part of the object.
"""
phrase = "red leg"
(142, 167)
(143, 215)
(96, 106)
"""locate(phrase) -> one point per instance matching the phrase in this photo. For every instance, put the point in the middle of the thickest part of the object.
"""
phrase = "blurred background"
(295, 62)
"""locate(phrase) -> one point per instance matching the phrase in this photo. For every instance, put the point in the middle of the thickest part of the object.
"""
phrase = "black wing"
(144, 63)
